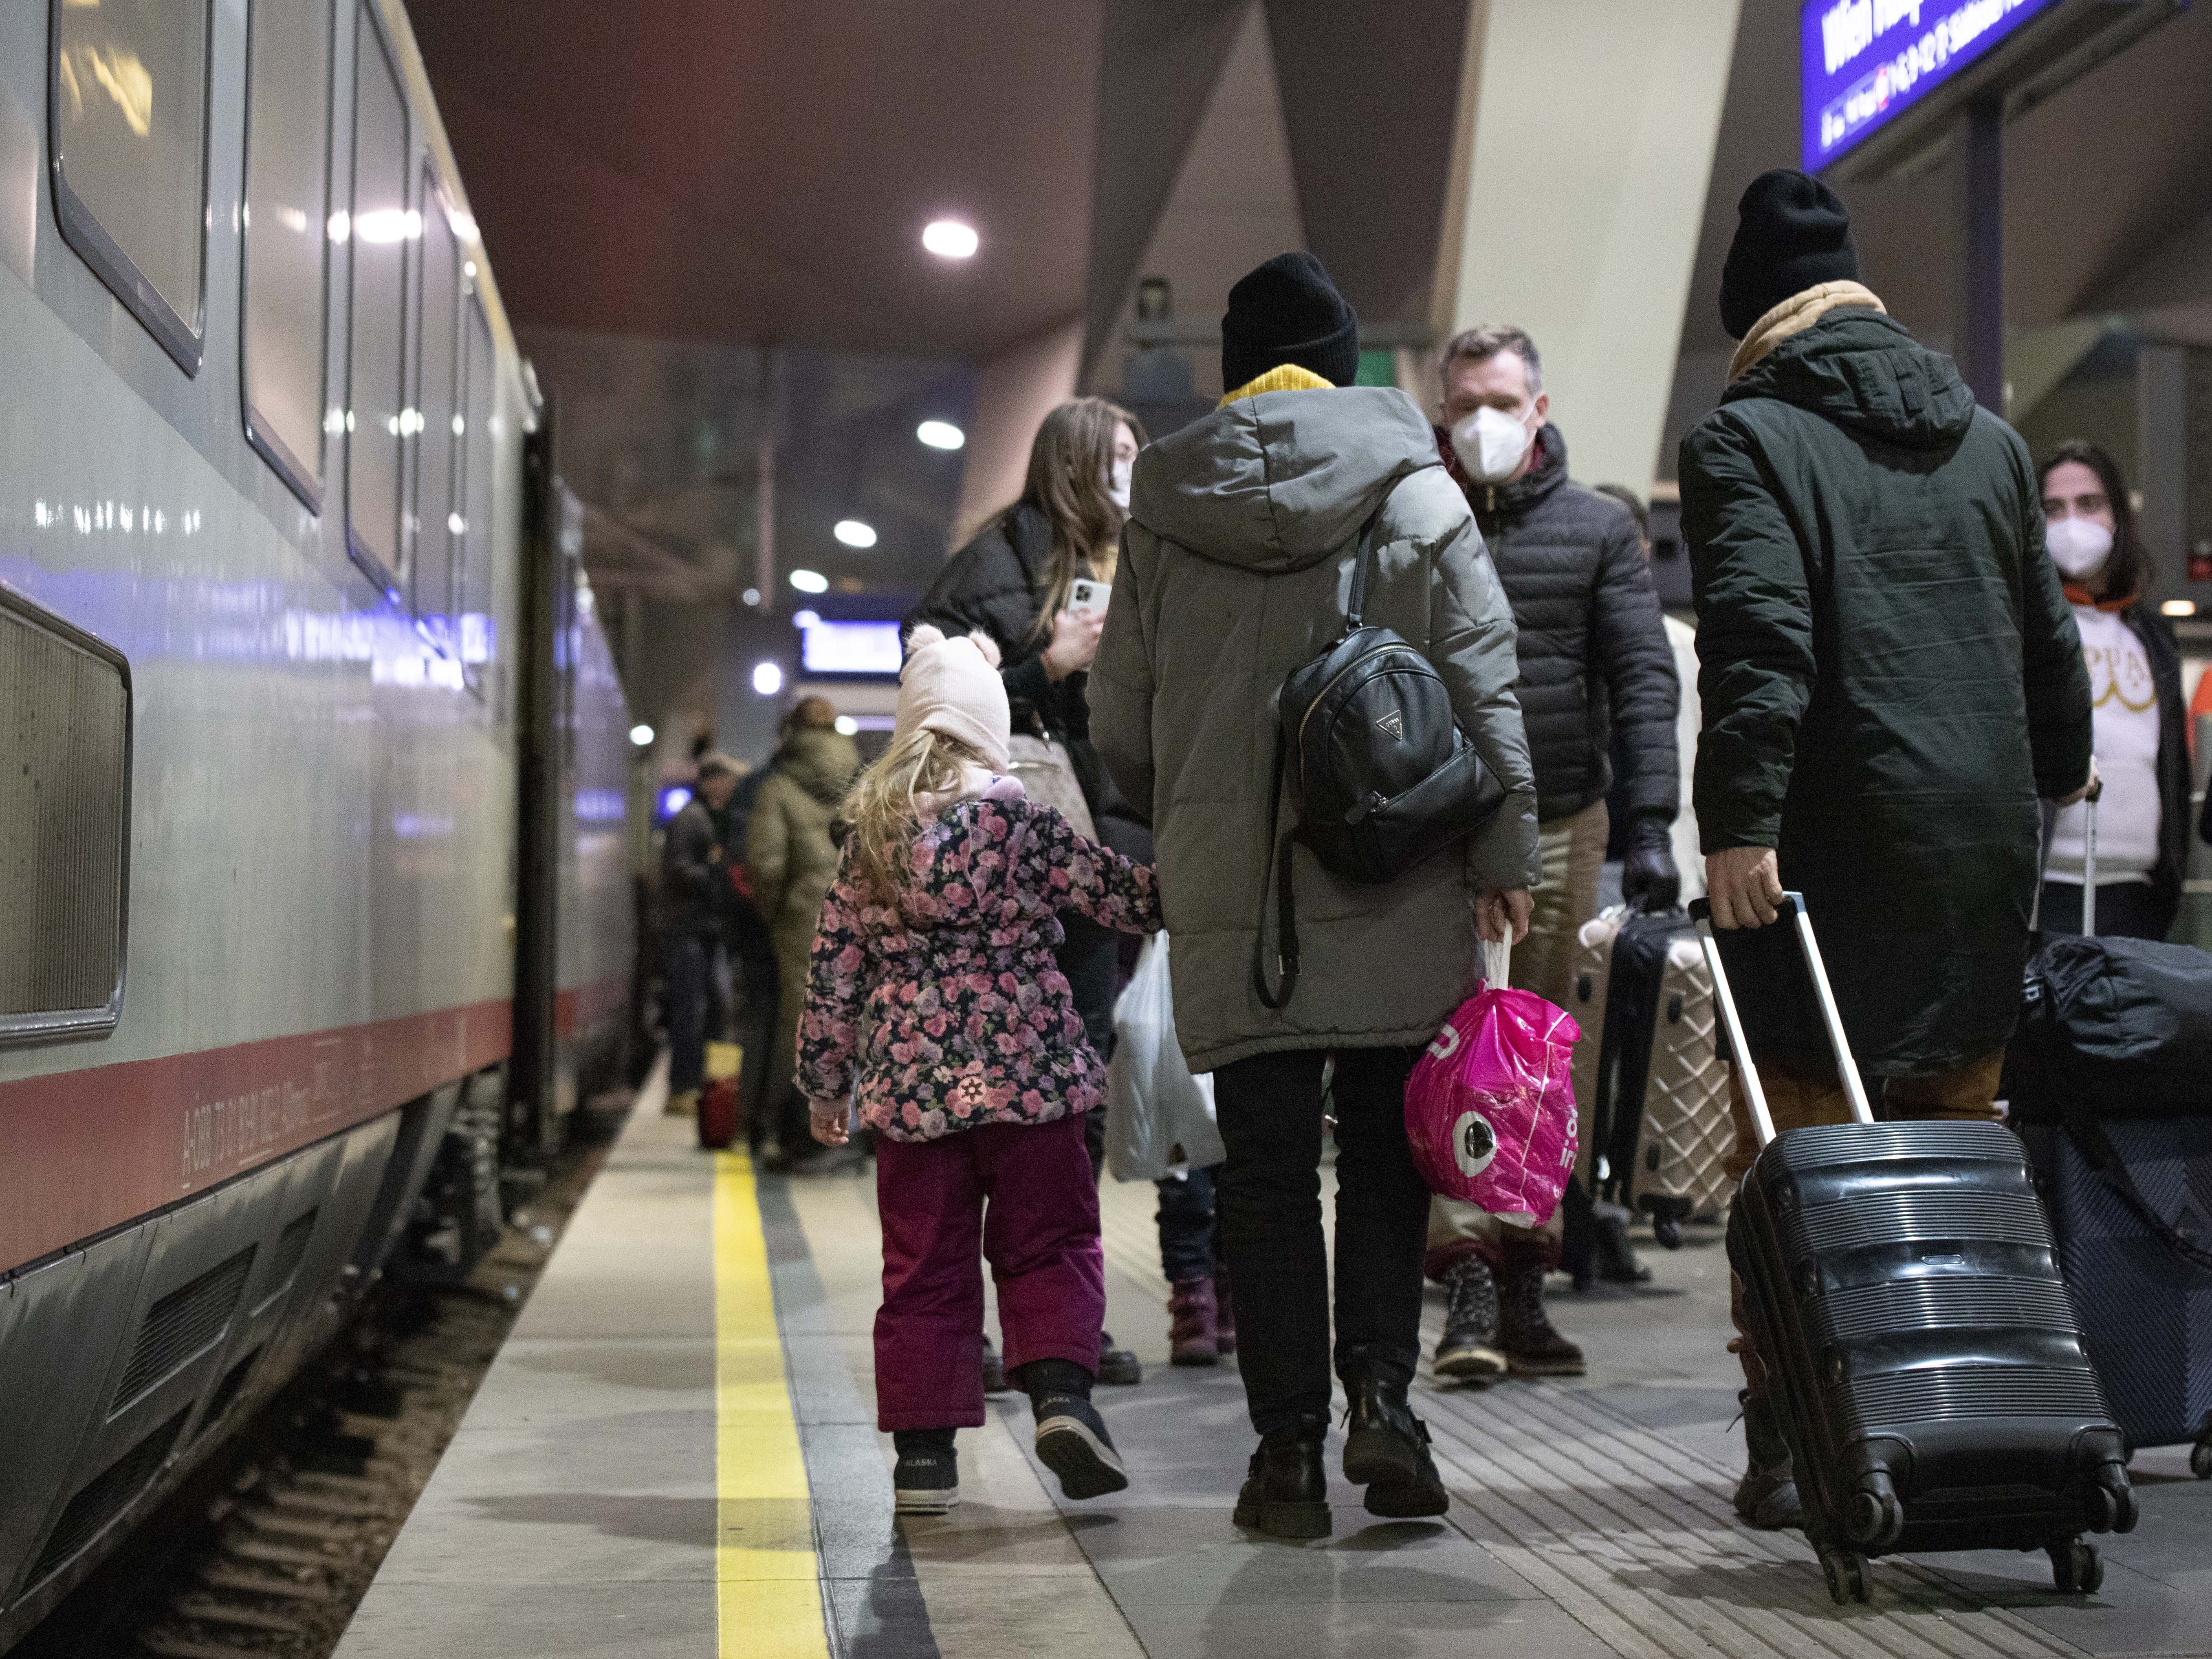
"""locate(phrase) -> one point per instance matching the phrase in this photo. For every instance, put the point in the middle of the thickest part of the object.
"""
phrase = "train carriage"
(314, 776)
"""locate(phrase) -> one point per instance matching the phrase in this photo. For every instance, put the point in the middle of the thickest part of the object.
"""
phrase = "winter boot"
(995, 1370)
(1767, 1497)
(1386, 1449)
(927, 1479)
(1224, 1312)
(1117, 1365)
(1286, 1492)
(1616, 1258)
(1071, 1437)
(1192, 1337)
(1469, 1352)
(1533, 1347)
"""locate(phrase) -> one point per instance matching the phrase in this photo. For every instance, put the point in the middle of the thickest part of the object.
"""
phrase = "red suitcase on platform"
(718, 1113)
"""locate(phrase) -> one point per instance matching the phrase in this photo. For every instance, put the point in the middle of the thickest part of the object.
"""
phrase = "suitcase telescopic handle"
(2046, 831)
(1793, 910)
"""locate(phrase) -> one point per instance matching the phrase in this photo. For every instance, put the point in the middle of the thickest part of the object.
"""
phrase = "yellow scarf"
(1794, 316)
(1284, 377)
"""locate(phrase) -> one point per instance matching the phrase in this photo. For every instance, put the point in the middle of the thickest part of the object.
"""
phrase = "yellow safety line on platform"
(767, 1584)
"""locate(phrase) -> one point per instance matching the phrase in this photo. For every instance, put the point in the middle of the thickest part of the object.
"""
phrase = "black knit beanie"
(1287, 311)
(1792, 234)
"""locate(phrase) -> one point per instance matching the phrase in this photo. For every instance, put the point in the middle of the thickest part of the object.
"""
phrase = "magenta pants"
(1020, 1196)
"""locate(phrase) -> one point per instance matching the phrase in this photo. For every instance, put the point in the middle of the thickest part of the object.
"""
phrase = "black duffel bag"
(1381, 776)
(2112, 1028)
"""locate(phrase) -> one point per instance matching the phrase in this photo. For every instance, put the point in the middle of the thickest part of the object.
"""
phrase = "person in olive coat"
(1890, 677)
(791, 861)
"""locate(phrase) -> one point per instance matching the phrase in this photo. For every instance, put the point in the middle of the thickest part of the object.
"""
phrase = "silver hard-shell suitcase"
(1686, 1131)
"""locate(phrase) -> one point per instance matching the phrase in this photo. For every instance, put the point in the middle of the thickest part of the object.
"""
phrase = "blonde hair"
(885, 804)
(1066, 482)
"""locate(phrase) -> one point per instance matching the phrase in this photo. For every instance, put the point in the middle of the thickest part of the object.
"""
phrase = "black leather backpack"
(1377, 768)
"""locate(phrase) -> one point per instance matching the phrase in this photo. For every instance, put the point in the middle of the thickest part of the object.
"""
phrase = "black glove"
(1649, 880)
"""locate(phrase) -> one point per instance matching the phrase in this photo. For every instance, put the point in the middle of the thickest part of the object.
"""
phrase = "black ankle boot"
(1386, 1449)
(1467, 1351)
(1286, 1492)
(1767, 1498)
(1615, 1257)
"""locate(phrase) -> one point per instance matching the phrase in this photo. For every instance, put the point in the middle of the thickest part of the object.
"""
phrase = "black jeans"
(2126, 909)
(1186, 1216)
(695, 1006)
(1267, 1200)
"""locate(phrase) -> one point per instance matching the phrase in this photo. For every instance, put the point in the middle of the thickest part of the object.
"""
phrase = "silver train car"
(314, 895)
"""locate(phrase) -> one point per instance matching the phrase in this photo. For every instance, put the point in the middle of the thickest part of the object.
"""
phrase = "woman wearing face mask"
(2134, 676)
(1015, 582)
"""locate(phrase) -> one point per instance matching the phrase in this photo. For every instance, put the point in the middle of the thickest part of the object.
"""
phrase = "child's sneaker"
(927, 1481)
(1073, 1443)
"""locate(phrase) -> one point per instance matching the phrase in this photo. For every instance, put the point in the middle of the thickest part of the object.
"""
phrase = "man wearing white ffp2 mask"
(1593, 654)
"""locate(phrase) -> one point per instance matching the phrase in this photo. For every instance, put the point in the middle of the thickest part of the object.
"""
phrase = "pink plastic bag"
(1490, 1108)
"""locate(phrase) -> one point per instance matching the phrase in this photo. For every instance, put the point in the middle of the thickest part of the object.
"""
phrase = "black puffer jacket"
(996, 583)
(1594, 653)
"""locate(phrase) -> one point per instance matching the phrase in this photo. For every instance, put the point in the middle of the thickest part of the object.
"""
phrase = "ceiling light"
(949, 238)
(752, 596)
(805, 619)
(2179, 607)
(854, 533)
(846, 726)
(767, 678)
(941, 435)
(810, 581)
(640, 734)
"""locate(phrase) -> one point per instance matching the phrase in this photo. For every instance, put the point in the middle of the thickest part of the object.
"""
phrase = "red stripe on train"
(91, 1150)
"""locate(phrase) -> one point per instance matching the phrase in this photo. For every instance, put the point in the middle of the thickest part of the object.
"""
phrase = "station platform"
(675, 1455)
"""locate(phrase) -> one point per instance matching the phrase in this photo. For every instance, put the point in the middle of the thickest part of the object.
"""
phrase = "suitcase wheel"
(1874, 1519)
(2111, 1505)
(2074, 1568)
(2200, 1457)
(1846, 1573)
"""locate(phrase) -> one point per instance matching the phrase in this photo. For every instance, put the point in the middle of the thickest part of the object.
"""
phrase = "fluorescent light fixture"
(846, 726)
(808, 581)
(805, 619)
(855, 533)
(767, 678)
(941, 435)
(949, 238)
(2179, 607)
(640, 734)
(851, 648)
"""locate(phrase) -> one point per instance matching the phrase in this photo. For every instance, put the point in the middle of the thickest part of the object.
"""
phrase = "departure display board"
(1861, 64)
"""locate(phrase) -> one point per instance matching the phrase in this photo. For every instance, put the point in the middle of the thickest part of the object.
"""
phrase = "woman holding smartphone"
(1035, 578)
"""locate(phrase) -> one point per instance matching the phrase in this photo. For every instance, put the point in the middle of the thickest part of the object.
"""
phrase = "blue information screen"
(1861, 64)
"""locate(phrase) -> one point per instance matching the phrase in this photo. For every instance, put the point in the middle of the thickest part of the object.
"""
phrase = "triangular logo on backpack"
(1393, 724)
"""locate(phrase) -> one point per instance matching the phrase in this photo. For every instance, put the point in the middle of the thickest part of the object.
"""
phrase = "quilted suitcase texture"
(1901, 1282)
(1676, 1173)
(2144, 1291)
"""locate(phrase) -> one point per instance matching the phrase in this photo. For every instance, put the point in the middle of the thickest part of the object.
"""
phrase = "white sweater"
(2126, 736)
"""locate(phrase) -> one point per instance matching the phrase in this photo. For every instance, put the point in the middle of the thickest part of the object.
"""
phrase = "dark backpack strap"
(1364, 565)
(1276, 872)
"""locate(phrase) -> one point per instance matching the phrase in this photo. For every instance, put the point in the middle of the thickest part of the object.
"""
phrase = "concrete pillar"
(1014, 392)
(1581, 150)
(2162, 463)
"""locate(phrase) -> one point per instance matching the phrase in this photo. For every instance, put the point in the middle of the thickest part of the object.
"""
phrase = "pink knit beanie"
(951, 687)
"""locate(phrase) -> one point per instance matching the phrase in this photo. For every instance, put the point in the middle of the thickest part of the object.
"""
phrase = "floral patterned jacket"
(949, 1011)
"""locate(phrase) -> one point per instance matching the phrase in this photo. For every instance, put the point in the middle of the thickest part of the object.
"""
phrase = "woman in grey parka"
(1237, 569)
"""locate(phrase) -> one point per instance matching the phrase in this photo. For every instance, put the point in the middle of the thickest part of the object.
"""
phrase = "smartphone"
(1084, 594)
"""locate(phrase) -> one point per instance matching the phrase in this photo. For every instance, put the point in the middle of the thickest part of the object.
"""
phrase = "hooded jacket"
(1237, 569)
(1593, 652)
(789, 857)
(1890, 676)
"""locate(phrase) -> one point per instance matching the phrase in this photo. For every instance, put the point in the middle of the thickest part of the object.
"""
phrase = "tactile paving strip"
(1633, 1535)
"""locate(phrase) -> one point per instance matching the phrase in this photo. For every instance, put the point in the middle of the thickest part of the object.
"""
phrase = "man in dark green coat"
(1890, 677)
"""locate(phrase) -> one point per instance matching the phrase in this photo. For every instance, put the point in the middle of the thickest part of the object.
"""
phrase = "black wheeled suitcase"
(1901, 1284)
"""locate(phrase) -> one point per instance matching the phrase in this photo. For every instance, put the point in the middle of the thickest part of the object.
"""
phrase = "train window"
(437, 510)
(383, 226)
(479, 413)
(128, 94)
(287, 204)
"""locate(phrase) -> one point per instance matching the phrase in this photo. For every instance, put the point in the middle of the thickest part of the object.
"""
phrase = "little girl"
(934, 1002)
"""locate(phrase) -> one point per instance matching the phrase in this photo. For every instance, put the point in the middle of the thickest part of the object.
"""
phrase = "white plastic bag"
(1154, 1106)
